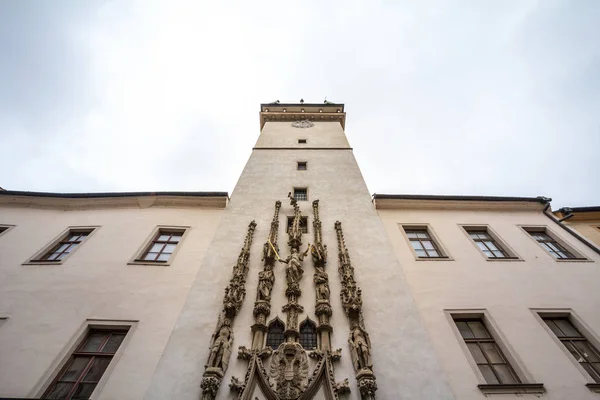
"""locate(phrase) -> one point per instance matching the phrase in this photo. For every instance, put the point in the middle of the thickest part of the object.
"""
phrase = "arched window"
(308, 335)
(275, 334)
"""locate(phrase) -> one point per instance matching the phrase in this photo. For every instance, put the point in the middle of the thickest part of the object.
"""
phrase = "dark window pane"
(586, 350)
(464, 330)
(113, 343)
(94, 341)
(554, 328)
(489, 376)
(594, 372)
(477, 354)
(95, 372)
(574, 352)
(75, 369)
(59, 391)
(567, 328)
(84, 391)
(505, 374)
(478, 329)
(492, 353)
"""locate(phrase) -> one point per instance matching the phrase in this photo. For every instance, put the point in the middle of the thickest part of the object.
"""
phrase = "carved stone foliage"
(266, 281)
(303, 124)
(222, 339)
(358, 339)
(289, 370)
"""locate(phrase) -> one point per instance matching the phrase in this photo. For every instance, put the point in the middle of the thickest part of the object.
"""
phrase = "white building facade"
(299, 286)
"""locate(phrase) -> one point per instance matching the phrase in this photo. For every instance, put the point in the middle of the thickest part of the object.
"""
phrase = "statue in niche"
(322, 281)
(266, 279)
(220, 351)
(360, 348)
(294, 271)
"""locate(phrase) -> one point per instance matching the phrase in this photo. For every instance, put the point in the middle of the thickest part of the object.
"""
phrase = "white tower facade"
(306, 268)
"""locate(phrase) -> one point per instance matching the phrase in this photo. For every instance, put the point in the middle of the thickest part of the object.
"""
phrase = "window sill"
(514, 388)
(509, 259)
(594, 387)
(43, 262)
(146, 262)
(576, 260)
(434, 259)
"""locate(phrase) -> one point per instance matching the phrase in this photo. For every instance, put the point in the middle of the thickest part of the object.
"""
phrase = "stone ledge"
(514, 388)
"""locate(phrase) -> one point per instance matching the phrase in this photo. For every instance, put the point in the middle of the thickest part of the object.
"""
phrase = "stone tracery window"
(275, 334)
(308, 335)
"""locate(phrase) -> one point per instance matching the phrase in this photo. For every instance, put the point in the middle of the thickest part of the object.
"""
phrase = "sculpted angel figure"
(266, 279)
(294, 269)
(360, 348)
(220, 351)
(321, 280)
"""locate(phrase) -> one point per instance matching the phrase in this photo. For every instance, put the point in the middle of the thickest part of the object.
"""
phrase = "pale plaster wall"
(589, 229)
(46, 305)
(508, 290)
(406, 365)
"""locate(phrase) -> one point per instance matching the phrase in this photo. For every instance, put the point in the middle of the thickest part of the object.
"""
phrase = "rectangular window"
(301, 194)
(303, 224)
(580, 348)
(81, 374)
(488, 356)
(422, 243)
(162, 246)
(302, 141)
(486, 243)
(302, 166)
(551, 245)
(65, 246)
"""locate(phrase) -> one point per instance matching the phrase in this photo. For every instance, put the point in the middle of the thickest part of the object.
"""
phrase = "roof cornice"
(115, 199)
(405, 201)
(290, 112)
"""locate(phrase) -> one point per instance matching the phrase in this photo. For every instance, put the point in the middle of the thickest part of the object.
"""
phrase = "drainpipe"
(559, 223)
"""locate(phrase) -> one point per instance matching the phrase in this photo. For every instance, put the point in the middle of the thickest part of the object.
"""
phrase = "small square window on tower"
(303, 224)
(301, 194)
(302, 166)
(301, 141)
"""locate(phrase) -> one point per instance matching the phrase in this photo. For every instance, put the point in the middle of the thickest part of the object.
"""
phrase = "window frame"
(302, 141)
(279, 322)
(308, 321)
(300, 188)
(567, 313)
(137, 259)
(304, 164)
(5, 228)
(578, 256)
(444, 255)
(511, 254)
(36, 259)
(57, 367)
(526, 384)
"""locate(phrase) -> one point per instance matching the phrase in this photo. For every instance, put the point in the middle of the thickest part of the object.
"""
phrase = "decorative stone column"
(222, 339)
(358, 340)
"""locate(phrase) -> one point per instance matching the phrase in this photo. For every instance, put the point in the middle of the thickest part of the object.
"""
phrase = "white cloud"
(470, 98)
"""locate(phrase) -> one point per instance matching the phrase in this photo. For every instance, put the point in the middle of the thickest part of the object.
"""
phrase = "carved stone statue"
(360, 348)
(266, 279)
(294, 270)
(220, 351)
(322, 282)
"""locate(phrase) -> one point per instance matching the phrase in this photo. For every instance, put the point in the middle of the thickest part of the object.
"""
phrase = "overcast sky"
(442, 97)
